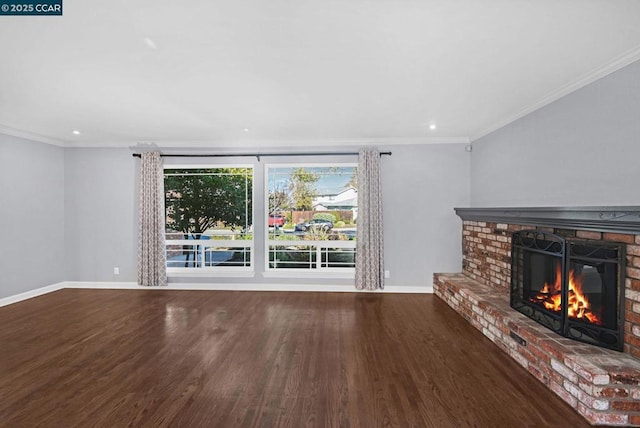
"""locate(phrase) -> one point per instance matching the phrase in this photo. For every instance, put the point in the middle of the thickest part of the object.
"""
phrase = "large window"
(311, 219)
(209, 219)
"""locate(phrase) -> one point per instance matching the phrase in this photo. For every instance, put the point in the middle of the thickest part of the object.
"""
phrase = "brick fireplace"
(603, 385)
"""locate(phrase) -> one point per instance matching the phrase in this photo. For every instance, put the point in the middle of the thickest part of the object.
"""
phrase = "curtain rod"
(258, 155)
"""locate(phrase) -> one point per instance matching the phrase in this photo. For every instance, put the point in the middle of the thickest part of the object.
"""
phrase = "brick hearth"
(601, 384)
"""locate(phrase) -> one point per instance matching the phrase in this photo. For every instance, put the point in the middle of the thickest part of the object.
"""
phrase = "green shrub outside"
(325, 216)
(285, 237)
(339, 224)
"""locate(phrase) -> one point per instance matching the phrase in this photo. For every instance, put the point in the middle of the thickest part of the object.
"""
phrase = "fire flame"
(578, 306)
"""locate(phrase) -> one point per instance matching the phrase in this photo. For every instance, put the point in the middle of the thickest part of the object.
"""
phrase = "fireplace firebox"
(575, 288)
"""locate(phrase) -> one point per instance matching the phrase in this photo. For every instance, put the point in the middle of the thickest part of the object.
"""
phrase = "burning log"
(578, 307)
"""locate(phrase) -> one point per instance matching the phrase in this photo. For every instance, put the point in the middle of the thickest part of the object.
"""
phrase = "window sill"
(208, 273)
(300, 273)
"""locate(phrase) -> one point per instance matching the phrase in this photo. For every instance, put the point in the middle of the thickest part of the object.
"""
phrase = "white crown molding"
(235, 144)
(7, 130)
(616, 64)
(253, 144)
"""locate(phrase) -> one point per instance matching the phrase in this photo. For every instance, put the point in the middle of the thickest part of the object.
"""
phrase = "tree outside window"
(207, 204)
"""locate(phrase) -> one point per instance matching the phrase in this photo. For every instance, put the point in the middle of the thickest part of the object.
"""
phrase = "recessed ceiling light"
(245, 129)
(150, 43)
(76, 132)
(432, 126)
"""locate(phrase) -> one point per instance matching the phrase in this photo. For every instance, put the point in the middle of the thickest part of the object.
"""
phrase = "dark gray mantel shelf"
(625, 219)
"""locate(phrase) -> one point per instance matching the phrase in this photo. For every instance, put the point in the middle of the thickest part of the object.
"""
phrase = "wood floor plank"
(111, 358)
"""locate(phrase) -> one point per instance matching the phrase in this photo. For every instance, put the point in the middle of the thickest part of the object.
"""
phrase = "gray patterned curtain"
(151, 247)
(369, 245)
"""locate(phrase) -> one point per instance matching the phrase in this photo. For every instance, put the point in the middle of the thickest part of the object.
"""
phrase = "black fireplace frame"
(552, 245)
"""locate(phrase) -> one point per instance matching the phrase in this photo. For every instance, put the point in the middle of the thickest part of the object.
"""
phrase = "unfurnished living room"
(327, 213)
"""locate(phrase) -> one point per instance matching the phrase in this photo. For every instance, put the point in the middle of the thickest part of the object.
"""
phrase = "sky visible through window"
(332, 179)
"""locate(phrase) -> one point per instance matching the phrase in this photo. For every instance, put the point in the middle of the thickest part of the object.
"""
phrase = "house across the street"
(346, 199)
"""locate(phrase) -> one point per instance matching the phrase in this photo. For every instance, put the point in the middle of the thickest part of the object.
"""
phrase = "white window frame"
(318, 272)
(218, 271)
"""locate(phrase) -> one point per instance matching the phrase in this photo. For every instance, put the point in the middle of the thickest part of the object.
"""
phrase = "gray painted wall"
(422, 185)
(580, 150)
(100, 212)
(32, 215)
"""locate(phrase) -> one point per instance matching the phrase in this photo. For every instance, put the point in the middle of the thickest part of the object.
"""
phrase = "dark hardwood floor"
(111, 358)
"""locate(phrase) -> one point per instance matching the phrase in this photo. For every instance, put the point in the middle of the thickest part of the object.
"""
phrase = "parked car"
(314, 224)
(276, 220)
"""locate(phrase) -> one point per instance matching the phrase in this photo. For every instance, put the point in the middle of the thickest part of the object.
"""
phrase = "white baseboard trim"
(31, 293)
(246, 287)
(428, 289)
(107, 285)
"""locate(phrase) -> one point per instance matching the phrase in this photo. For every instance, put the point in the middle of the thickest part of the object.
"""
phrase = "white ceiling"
(300, 72)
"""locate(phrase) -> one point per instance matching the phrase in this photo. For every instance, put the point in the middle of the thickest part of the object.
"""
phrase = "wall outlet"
(386, 274)
(116, 271)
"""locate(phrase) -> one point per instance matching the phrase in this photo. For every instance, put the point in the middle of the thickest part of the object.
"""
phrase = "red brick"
(634, 420)
(554, 348)
(627, 406)
(527, 355)
(551, 374)
(630, 377)
(632, 341)
(587, 234)
(588, 372)
(600, 418)
(618, 237)
(564, 394)
(504, 329)
(633, 273)
(632, 317)
(538, 374)
(540, 354)
(612, 392)
(633, 284)
(569, 233)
